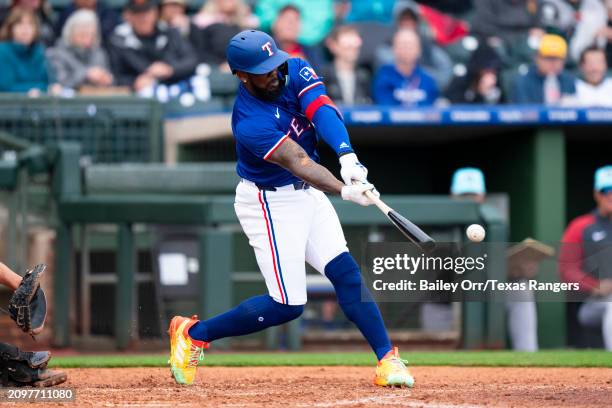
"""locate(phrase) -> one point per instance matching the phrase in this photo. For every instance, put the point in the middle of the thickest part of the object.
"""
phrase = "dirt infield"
(311, 387)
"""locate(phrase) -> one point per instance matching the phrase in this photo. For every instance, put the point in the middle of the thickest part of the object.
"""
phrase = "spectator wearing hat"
(594, 89)
(405, 82)
(108, 18)
(546, 82)
(481, 83)
(585, 258)
(23, 66)
(346, 82)
(174, 14)
(144, 52)
(468, 183)
(78, 59)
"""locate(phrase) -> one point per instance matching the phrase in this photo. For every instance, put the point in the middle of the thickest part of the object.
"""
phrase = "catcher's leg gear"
(19, 368)
(185, 352)
(392, 371)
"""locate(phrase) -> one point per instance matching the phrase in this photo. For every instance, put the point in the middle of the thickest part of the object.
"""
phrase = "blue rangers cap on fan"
(254, 52)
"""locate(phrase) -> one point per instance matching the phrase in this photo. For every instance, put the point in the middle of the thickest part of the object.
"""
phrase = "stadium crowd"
(387, 52)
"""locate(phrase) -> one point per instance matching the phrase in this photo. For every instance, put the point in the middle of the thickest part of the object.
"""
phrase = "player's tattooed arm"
(292, 157)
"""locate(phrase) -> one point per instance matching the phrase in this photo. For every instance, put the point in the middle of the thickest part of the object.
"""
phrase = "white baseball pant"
(288, 228)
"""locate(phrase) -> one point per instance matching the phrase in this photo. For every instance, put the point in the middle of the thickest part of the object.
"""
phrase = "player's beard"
(268, 95)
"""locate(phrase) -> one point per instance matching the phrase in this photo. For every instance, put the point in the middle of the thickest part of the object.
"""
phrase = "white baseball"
(475, 233)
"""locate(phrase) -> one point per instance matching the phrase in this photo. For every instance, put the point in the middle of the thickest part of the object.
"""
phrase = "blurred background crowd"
(386, 52)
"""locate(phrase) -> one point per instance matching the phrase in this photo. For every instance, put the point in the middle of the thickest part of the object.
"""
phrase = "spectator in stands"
(317, 17)
(174, 13)
(594, 89)
(593, 19)
(347, 83)
(585, 258)
(286, 30)
(78, 59)
(144, 53)
(23, 67)
(481, 82)
(434, 60)
(214, 25)
(108, 17)
(405, 82)
(43, 12)
(546, 82)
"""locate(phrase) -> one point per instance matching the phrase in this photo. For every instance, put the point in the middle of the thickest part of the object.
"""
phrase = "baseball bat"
(406, 227)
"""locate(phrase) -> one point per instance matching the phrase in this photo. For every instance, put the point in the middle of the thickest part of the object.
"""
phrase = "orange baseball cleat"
(392, 371)
(185, 352)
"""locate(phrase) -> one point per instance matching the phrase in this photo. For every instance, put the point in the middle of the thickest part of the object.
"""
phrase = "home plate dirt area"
(311, 387)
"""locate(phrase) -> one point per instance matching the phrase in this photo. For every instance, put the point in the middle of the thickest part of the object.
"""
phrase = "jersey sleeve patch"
(308, 74)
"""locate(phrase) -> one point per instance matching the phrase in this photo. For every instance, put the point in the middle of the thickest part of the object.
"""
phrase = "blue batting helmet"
(254, 52)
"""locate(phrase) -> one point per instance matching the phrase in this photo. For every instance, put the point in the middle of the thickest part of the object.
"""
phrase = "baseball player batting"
(279, 115)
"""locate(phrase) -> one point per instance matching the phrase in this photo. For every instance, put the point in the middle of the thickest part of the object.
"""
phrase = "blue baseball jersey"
(260, 127)
(391, 87)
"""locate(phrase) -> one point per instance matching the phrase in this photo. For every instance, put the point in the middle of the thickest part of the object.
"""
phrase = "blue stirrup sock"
(252, 315)
(357, 303)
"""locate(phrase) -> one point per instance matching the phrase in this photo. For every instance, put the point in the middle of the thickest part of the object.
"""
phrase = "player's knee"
(290, 312)
(343, 272)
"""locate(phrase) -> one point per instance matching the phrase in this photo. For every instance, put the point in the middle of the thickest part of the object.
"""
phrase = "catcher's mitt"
(28, 305)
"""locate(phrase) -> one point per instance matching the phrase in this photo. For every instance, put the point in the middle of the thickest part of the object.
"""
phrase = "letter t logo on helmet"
(246, 53)
(268, 47)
